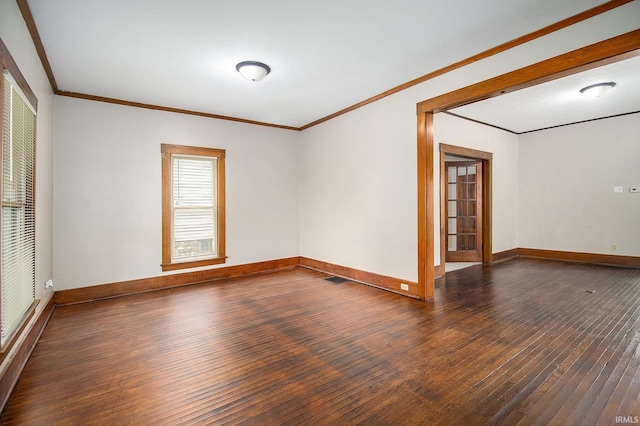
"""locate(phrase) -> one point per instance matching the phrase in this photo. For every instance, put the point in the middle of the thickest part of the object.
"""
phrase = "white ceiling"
(560, 102)
(325, 55)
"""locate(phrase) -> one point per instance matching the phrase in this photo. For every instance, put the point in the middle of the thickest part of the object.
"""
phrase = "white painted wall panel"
(108, 189)
(567, 176)
(358, 196)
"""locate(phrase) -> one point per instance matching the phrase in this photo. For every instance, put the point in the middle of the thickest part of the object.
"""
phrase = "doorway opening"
(611, 50)
(465, 207)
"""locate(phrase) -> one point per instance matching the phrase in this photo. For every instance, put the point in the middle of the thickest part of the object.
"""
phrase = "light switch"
(618, 189)
(634, 189)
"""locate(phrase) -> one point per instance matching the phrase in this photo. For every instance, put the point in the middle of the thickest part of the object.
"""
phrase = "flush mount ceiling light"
(252, 70)
(597, 90)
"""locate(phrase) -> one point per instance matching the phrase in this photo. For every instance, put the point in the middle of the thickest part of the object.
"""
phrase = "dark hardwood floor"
(525, 341)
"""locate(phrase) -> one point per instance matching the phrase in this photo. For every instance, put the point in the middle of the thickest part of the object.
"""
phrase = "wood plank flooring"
(521, 342)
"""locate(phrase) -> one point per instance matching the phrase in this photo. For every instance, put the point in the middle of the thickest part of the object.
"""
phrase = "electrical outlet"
(614, 247)
(404, 286)
(48, 284)
(634, 189)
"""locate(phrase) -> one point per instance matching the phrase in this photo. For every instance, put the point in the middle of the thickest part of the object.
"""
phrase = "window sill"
(192, 264)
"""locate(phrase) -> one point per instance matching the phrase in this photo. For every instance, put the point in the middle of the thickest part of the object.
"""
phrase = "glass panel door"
(464, 227)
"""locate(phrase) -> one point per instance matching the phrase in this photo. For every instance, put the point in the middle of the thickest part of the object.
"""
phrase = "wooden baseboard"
(598, 259)
(438, 271)
(16, 363)
(504, 255)
(104, 291)
(369, 278)
(86, 294)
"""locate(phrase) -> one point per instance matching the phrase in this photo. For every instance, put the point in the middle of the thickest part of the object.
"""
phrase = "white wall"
(15, 36)
(567, 175)
(108, 189)
(358, 190)
(504, 147)
(358, 183)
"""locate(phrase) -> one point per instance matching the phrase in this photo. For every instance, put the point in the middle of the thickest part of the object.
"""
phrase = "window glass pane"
(18, 215)
(452, 191)
(194, 232)
(452, 209)
(471, 173)
(194, 222)
(452, 226)
(193, 181)
(452, 243)
(452, 174)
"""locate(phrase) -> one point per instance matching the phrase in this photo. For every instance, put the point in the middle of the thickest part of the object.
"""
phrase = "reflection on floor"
(454, 266)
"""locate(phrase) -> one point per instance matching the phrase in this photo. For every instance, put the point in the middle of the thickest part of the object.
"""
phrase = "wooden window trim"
(167, 152)
(7, 62)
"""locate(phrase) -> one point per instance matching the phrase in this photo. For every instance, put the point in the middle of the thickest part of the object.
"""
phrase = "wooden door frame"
(595, 55)
(486, 158)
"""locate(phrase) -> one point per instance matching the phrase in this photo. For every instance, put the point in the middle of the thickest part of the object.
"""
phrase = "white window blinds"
(18, 210)
(194, 207)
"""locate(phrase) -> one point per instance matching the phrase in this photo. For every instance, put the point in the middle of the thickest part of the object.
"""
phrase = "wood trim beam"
(426, 268)
(570, 256)
(439, 270)
(168, 109)
(475, 154)
(18, 361)
(37, 42)
(487, 211)
(124, 288)
(589, 57)
(479, 122)
(443, 216)
(369, 278)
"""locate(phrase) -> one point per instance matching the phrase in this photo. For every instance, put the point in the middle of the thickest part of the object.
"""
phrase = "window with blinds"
(194, 210)
(17, 227)
(193, 206)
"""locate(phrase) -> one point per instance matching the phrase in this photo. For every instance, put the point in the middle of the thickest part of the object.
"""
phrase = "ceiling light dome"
(252, 70)
(597, 90)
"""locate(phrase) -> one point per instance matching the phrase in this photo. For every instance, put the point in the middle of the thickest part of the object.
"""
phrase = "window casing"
(17, 199)
(193, 207)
